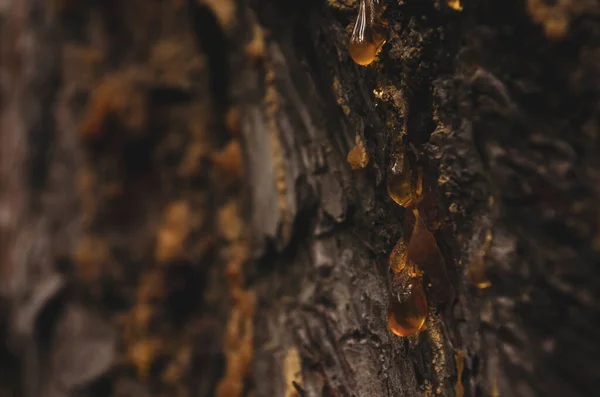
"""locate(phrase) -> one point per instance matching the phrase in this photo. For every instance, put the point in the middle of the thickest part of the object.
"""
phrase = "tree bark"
(178, 215)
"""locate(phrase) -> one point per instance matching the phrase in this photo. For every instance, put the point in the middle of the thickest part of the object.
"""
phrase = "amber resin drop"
(427, 203)
(369, 34)
(422, 247)
(399, 181)
(455, 5)
(399, 253)
(408, 309)
(398, 256)
(424, 252)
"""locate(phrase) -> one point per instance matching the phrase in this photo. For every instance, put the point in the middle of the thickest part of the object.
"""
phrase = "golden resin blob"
(398, 257)
(369, 32)
(399, 181)
(358, 157)
(408, 306)
(422, 247)
(455, 5)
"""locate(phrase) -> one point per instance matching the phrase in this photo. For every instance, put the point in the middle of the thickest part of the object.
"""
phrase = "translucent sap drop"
(455, 5)
(427, 203)
(399, 253)
(399, 181)
(424, 252)
(422, 247)
(398, 256)
(368, 35)
(408, 310)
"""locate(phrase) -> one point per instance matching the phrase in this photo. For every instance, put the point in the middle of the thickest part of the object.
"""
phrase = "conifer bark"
(179, 215)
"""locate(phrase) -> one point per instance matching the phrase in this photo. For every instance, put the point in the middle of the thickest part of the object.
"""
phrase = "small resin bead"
(399, 181)
(368, 35)
(399, 253)
(455, 5)
(398, 256)
(408, 309)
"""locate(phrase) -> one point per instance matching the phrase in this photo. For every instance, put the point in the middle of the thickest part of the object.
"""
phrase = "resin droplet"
(424, 252)
(369, 34)
(422, 248)
(427, 203)
(399, 253)
(398, 256)
(408, 308)
(455, 5)
(358, 158)
(399, 181)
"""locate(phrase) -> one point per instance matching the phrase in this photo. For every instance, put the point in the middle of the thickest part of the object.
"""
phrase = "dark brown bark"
(178, 216)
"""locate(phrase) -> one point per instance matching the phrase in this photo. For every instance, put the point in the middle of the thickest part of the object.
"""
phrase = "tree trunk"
(178, 214)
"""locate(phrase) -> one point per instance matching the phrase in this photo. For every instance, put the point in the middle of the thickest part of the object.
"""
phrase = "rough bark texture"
(178, 217)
